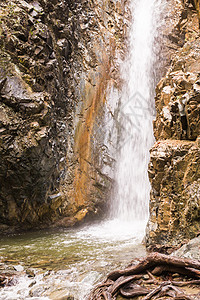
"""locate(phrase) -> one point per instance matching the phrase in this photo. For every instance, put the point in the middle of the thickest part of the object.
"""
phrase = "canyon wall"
(57, 64)
(175, 158)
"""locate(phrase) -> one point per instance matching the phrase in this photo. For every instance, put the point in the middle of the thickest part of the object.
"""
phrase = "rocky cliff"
(175, 158)
(56, 63)
(58, 69)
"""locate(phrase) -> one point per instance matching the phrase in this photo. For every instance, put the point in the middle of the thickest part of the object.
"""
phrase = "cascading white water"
(131, 196)
(77, 257)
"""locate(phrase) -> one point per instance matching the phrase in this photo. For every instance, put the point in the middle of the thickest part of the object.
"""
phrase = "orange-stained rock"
(57, 62)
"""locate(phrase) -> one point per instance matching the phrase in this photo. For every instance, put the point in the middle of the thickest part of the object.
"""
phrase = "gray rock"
(190, 250)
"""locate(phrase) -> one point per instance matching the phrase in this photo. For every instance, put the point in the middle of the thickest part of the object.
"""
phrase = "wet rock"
(36, 291)
(30, 273)
(61, 295)
(18, 268)
(3, 281)
(81, 214)
(32, 284)
(54, 73)
(8, 273)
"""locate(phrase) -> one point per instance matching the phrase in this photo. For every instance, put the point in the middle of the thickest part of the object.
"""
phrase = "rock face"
(56, 62)
(175, 158)
(190, 250)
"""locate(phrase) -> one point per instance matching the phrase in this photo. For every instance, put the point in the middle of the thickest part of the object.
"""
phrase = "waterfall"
(79, 257)
(131, 197)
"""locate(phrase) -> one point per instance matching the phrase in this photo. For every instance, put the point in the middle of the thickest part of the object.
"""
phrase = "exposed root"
(122, 281)
(184, 283)
(133, 290)
(151, 279)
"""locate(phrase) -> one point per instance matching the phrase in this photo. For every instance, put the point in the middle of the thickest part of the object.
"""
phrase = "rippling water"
(69, 262)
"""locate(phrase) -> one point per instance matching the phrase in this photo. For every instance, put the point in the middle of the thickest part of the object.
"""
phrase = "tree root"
(122, 281)
(133, 290)
(184, 283)
(151, 279)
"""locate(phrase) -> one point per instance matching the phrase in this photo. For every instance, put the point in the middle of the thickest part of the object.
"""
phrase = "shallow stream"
(57, 265)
